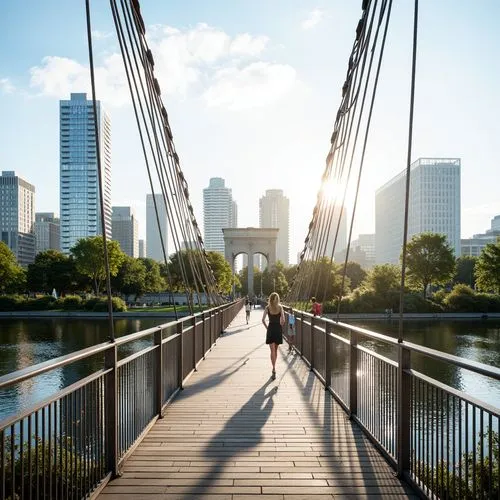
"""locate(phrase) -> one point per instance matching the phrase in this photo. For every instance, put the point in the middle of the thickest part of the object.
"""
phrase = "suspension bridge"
(188, 409)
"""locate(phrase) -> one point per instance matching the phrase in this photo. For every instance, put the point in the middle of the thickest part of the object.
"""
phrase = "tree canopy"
(89, 259)
(12, 275)
(53, 270)
(383, 278)
(430, 261)
(488, 268)
(465, 272)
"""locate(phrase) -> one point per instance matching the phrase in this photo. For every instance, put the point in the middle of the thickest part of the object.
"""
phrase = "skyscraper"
(47, 230)
(126, 230)
(219, 211)
(434, 205)
(154, 248)
(142, 248)
(79, 185)
(274, 211)
(17, 216)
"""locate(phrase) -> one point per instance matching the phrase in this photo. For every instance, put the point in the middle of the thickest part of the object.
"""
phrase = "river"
(30, 341)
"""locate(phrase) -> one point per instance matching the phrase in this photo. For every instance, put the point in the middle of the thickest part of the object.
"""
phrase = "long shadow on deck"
(261, 402)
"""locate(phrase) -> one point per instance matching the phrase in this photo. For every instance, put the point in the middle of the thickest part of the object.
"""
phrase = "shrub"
(101, 304)
(41, 303)
(70, 302)
(12, 302)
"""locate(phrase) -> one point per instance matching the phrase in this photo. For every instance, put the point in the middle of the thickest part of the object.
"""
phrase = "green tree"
(222, 272)
(89, 259)
(355, 273)
(383, 278)
(257, 278)
(430, 261)
(154, 279)
(12, 275)
(53, 270)
(488, 269)
(465, 272)
(131, 278)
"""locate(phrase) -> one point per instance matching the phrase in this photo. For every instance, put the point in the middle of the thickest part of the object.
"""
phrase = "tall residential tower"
(219, 211)
(47, 230)
(79, 187)
(274, 211)
(17, 216)
(434, 206)
(154, 248)
(126, 230)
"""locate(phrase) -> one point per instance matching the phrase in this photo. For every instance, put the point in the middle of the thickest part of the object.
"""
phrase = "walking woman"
(274, 327)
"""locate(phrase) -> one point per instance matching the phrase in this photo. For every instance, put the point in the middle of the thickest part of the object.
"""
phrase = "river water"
(30, 341)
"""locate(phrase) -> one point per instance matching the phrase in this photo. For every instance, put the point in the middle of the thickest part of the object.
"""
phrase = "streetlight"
(274, 284)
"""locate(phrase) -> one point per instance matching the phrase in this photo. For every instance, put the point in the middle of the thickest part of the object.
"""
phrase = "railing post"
(111, 421)
(203, 343)
(353, 374)
(180, 363)
(158, 335)
(313, 324)
(404, 410)
(194, 343)
(328, 355)
(302, 334)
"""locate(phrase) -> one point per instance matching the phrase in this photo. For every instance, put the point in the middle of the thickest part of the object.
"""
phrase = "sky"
(252, 88)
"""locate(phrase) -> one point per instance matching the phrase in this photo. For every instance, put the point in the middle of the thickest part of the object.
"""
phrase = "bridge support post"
(328, 355)
(353, 375)
(203, 327)
(158, 335)
(111, 420)
(180, 364)
(404, 410)
(194, 344)
(313, 349)
(301, 324)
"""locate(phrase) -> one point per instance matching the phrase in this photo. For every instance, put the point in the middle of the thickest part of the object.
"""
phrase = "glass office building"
(79, 187)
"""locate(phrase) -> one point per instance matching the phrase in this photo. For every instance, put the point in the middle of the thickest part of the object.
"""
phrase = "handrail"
(52, 364)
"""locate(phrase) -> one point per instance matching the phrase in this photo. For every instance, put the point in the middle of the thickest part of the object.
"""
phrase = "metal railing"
(441, 440)
(71, 444)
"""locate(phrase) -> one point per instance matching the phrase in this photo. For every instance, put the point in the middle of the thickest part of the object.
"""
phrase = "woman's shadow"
(240, 434)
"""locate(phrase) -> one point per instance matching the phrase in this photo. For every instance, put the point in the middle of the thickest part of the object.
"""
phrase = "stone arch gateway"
(250, 241)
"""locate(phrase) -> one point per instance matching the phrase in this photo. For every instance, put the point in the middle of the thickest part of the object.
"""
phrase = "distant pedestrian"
(248, 307)
(291, 331)
(274, 327)
(315, 307)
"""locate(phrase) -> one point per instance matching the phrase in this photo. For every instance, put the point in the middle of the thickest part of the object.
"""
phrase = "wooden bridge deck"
(234, 434)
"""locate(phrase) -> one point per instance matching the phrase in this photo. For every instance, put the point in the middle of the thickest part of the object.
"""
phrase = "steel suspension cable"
(408, 171)
(99, 175)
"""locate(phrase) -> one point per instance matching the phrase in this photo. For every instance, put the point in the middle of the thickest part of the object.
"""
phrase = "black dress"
(274, 330)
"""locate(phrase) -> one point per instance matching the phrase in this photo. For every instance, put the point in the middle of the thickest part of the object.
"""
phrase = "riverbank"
(171, 315)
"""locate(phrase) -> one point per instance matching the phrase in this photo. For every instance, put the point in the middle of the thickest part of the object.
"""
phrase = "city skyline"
(241, 97)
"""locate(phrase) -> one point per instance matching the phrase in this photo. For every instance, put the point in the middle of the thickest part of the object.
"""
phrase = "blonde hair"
(273, 302)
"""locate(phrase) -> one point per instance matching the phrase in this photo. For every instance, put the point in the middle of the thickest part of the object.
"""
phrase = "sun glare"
(331, 191)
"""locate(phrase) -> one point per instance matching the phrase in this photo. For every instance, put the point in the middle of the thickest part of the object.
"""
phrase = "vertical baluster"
(490, 456)
(37, 455)
(328, 354)
(404, 397)
(180, 378)
(3, 493)
(193, 322)
(460, 447)
(30, 462)
(481, 445)
(474, 447)
(353, 377)
(21, 456)
(49, 457)
(13, 460)
(111, 413)
(159, 372)
(466, 426)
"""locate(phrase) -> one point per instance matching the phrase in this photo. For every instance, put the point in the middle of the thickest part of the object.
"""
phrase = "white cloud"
(6, 86)
(101, 35)
(313, 19)
(255, 85)
(225, 70)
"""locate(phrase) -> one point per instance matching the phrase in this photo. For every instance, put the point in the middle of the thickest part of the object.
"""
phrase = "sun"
(330, 191)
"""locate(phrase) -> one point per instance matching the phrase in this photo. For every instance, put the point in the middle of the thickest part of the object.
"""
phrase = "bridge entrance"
(250, 241)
